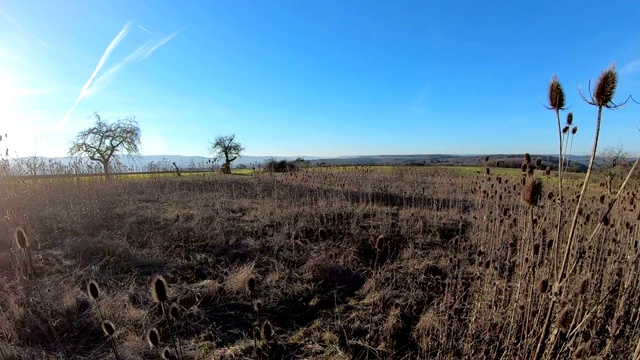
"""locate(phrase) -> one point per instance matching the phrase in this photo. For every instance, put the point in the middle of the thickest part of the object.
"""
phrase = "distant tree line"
(274, 166)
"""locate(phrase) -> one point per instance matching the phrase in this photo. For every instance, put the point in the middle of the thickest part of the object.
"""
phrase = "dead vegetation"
(412, 263)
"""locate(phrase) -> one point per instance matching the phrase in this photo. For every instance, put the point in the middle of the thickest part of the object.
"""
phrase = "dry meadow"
(402, 263)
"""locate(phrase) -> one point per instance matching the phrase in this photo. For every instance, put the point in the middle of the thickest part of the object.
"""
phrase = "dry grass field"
(406, 263)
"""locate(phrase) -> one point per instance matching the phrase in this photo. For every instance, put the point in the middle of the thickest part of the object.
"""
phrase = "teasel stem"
(560, 199)
(611, 205)
(173, 336)
(113, 346)
(574, 221)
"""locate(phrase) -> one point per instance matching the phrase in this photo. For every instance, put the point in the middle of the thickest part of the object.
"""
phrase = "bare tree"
(105, 140)
(612, 162)
(227, 147)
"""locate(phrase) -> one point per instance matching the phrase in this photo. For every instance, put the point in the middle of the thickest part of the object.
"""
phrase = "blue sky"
(317, 78)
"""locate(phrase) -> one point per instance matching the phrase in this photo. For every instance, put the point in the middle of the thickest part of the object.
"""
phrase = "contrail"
(144, 29)
(139, 54)
(17, 24)
(162, 42)
(85, 89)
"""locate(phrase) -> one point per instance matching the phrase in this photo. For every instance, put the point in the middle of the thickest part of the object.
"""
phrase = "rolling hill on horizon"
(579, 162)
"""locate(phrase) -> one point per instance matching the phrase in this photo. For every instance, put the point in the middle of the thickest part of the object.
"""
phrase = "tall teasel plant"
(22, 241)
(601, 97)
(93, 290)
(153, 338)
(109, 330)
(159, 289)
(557, 104)
(174, 314)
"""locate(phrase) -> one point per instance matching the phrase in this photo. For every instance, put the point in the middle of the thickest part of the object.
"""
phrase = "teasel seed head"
(159, 289)
(527, 158)
(543, 286)
(380, 242)
(93, 290)
(251, 284)
(533, 192)
(257, 306)
(565, 129)
(21, 239)
(556, 94)
(583, 285)
(168, 354)
(574, 130)
(153, 338)
(538, 162)
(266, 331)
(570, 118)
(174, 312)
(563, 321)
(108, 328)
(606, 87)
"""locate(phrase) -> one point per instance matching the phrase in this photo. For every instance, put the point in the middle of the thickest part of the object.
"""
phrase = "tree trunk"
(226, 168)
(105, 167)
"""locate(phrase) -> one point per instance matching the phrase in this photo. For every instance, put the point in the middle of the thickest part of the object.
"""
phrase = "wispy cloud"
(85, 89)
(23, 30)
(94, 85)
(631, 68)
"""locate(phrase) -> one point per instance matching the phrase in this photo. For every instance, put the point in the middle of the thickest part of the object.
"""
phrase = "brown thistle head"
(257, 306)
(159, 289)
(532, 192)
(380, 242)
(108, 328)
(153, 338)
(266, 331)
(543, 286)
(93, 290)
(174, 312)
(606, 87)
(583, 285)
(251, 284)
(563, 321)
(556, 94)
(21, 239)
(168, 354)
